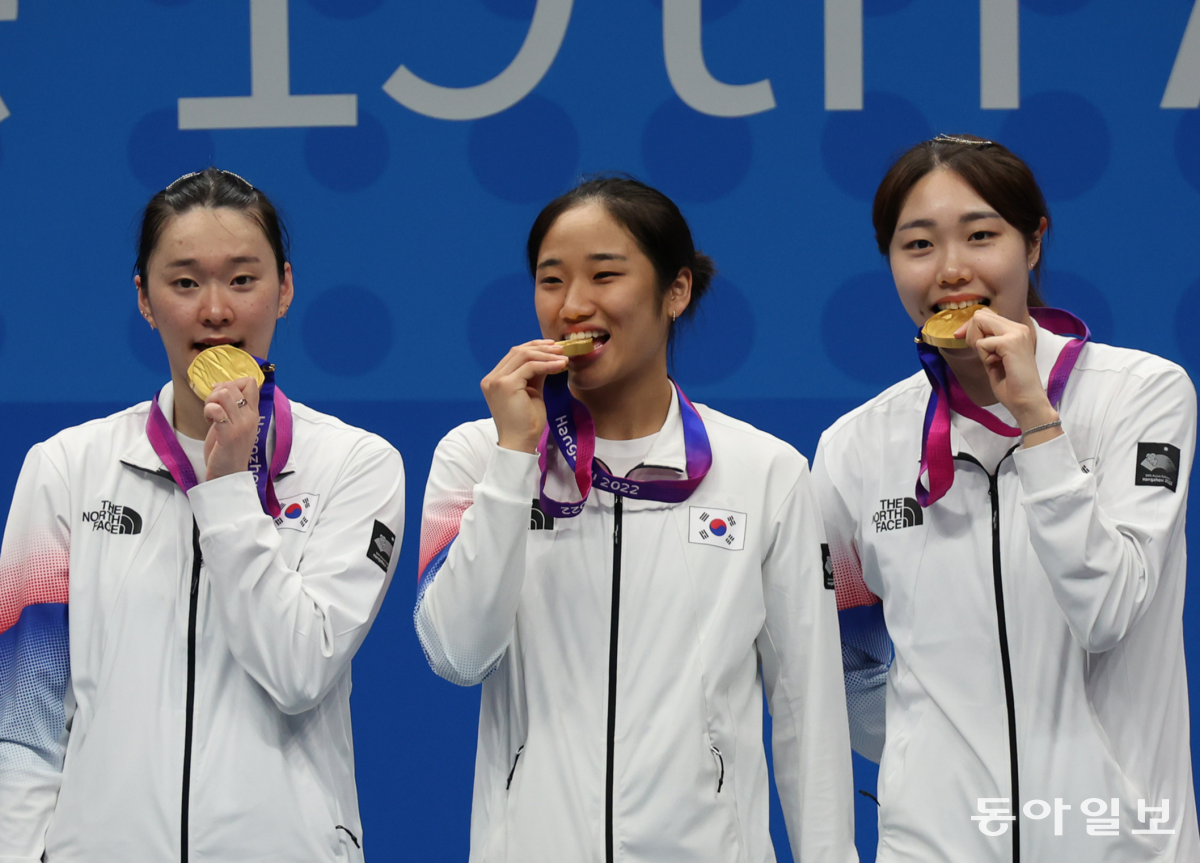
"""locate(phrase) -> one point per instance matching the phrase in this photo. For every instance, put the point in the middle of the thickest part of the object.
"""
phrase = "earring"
(672, 316)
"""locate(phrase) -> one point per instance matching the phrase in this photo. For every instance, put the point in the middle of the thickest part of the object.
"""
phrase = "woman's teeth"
(578, 337)
(962, 304)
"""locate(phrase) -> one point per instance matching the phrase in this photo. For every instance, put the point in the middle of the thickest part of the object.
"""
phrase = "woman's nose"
(577, 301)
(954, 270)
(216, 308)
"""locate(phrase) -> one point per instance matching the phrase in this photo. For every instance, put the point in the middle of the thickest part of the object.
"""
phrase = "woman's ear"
(679, 294)
(144, 302)
(286, 292)
(1035, 245)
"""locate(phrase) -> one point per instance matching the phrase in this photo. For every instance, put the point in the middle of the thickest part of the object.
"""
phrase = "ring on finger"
(241, 403)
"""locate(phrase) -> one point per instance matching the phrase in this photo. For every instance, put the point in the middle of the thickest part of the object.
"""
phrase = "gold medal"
(576, 347)
(939, 330)
(221, 363)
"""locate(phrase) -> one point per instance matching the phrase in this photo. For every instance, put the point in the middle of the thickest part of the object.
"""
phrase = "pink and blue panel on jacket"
(35, 665)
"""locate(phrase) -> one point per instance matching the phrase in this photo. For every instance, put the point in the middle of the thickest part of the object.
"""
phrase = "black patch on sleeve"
(383, 542)
(1157, 464)
(827, 565)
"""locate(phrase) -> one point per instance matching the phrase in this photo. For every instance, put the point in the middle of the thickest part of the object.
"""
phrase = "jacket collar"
(141, 455)
(1045, 353)
(667, 459)
(668, 450)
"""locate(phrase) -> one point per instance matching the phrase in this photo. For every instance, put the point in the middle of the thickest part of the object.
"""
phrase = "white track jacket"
(631, 607)
(176, 692)
(1036, 619)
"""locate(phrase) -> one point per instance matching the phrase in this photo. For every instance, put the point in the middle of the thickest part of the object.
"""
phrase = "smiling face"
(592, 278)
(951, 249)
(212, 279)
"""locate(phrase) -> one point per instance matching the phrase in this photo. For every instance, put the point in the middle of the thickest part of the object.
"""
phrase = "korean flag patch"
(296, 513)
(723, 528)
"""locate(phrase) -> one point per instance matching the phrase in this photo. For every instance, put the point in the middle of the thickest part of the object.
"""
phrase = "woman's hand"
(513, 390)
(232, 410)
(1007, 351)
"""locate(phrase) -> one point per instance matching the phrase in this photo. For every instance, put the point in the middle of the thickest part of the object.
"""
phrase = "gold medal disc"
(221, 363)
(576, 347)
(939, 330)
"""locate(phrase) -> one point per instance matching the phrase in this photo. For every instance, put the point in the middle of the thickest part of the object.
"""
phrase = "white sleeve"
(36, 704)
(474, 527)
(1105, 537)
(803, 679)
(296, 630)
(867, 650)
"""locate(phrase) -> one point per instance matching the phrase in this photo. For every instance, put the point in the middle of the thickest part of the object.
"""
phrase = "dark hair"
(995, 173)
(210, 188)
(650, 216)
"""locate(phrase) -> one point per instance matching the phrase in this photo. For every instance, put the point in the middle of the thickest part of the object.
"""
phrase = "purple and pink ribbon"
(271, 402)
(573, 432)
(936, 457)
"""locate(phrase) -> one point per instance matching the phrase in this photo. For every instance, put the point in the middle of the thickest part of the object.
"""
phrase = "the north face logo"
(539, 519)
(897, 512)
(114, 518)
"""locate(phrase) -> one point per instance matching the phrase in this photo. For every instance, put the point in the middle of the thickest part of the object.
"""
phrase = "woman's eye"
(242, 281)
(186, 283)
(605, 275)
(550, 280)
(982, 235)
(919, 245)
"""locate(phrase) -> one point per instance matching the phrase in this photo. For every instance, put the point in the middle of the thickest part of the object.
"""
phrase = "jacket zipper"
(197, 560)
(516, 758)
(612, 679)
(1005, 660)
(721, 762)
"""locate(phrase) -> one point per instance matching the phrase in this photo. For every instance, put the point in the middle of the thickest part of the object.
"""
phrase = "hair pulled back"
(995, 173)
(211, 188)
(651, 217)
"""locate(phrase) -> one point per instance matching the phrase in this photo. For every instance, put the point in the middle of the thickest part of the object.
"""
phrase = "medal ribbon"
(271, 401)
(573, 432)
(948, 395)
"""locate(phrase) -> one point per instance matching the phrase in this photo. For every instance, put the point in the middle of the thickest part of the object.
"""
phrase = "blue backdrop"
(411, 145)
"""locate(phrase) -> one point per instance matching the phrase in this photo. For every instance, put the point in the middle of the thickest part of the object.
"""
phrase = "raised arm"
(476, 520)
(295, 630)
(1105, 536)
(474, 526)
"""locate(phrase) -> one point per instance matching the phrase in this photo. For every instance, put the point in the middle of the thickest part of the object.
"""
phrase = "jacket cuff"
(1048, 469)
(225, 500)
(510, 474)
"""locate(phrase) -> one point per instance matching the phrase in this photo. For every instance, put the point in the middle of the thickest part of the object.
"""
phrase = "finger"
(235, 407)
(536, 370)
(522, 354)
(990, 348)
(215, 413)
(248, 387)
